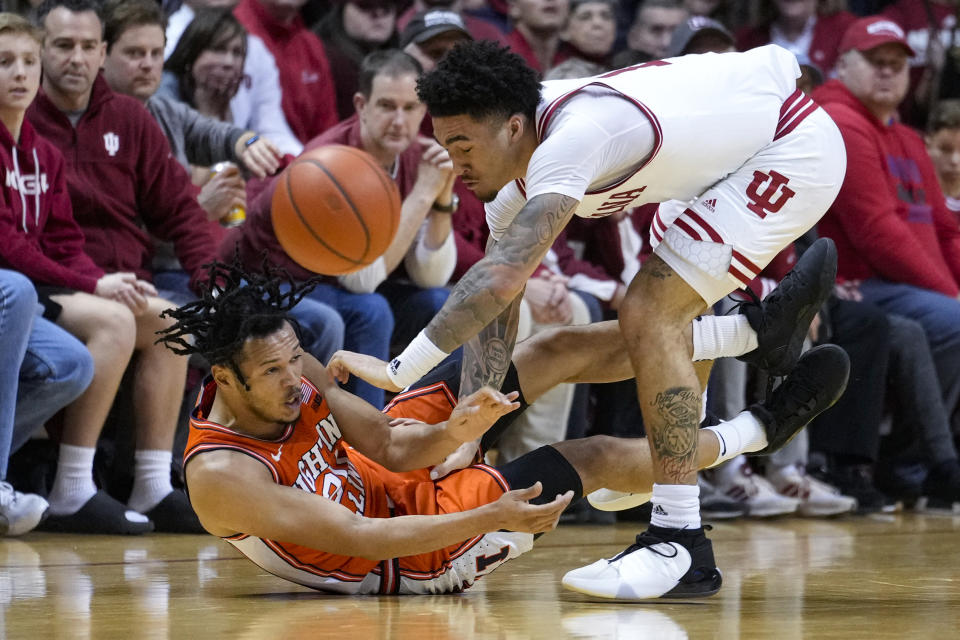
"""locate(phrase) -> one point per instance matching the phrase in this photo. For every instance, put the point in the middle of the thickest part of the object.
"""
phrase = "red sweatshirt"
(40, 237)
(890, 219)
(125, 184)
(309, 101)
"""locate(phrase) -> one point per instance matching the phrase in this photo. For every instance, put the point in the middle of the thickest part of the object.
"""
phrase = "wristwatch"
(448, 208)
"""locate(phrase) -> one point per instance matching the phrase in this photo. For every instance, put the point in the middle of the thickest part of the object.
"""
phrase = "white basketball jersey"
(709, 112)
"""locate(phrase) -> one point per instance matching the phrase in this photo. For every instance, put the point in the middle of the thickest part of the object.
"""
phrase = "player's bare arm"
(233, 493)
(415, 446)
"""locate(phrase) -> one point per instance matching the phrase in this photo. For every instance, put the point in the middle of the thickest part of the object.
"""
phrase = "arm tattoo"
(675, 439)
(476, 300)
(486, 356)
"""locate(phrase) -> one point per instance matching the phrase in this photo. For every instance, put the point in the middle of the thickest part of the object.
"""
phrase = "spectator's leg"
(159, 376)
(939, 315)
(368, 325)
(412, 306)
(56, 369)
(18, 307)
(174, 286)
(108, 329)
(851, 428)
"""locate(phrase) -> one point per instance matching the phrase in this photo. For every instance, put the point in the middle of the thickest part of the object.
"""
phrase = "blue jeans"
(18, 307)
(366, 325)
(413, 307)
(939, 315)
(56, 369)
(174, 286)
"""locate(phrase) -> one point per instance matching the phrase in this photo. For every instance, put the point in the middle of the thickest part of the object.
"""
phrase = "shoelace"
(648, 540)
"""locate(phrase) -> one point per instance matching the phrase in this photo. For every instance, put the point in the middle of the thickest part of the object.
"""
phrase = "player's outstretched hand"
(476, 413)
(368, 368)
(519, 515)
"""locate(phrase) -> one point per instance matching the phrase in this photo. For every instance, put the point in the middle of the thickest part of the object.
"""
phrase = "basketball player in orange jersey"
(318, 487)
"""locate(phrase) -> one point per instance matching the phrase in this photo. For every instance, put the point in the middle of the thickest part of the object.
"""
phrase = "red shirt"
(309, 98)
(890, 218)
(41, 239)
(125, 184)
(520, 46)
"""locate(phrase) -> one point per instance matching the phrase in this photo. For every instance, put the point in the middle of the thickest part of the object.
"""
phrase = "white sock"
(151, 479)
(743, 434)
(676, 506)
(722, 337)
(73, 484)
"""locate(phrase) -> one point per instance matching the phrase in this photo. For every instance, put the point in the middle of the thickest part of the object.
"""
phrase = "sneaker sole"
(609, 500)
(828, 277)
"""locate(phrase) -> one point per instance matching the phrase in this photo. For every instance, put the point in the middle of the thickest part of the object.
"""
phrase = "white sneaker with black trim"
(662, 563)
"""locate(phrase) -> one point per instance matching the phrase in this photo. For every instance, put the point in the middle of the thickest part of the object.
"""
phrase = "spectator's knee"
(16, 290)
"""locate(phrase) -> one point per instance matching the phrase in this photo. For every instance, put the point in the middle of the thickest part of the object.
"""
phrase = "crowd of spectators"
(134, 131)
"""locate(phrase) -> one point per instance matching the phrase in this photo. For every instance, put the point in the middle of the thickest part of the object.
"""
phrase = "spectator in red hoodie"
(898, 245)
(42, 241)
(124, 184)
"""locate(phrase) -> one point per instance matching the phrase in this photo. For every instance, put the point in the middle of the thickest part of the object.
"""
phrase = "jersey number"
(485, 561)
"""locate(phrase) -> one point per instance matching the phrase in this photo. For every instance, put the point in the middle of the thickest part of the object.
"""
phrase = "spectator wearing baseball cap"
(699, 34)
(798, 26)
(429, 35)
(898, 244)
(478, 28)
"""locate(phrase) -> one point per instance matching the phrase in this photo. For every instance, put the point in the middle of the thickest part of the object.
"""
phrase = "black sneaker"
(856, 481)
(662, 563)
(942, 489)
(783, 318)
(815, 384)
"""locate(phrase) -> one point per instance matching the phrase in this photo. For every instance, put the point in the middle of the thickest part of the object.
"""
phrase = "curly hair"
(234, 306)
(480, 79)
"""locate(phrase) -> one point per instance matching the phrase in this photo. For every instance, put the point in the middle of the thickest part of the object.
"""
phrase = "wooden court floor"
(890, 576)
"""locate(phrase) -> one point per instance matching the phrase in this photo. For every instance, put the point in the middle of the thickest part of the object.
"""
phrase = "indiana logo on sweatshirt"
(29, 185)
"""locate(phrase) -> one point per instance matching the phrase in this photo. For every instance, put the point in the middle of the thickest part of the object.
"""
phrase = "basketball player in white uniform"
(748, 162)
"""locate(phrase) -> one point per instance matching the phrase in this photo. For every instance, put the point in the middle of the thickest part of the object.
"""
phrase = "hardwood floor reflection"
(877, 577)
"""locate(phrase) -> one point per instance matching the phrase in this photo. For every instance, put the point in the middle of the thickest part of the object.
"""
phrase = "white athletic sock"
(722, 337)
(73, 484)
(151, 479)
(743, 434)
(676, 506)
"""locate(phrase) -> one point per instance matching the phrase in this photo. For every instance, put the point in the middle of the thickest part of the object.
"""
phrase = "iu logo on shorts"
(111, 142)
(774, 195)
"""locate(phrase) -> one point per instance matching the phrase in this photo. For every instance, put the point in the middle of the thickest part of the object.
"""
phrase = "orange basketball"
(335, 210)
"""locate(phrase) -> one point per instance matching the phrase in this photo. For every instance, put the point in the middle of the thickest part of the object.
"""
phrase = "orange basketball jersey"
(311, 456)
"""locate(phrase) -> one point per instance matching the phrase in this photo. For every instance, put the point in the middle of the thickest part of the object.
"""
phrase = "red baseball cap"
(867, 33)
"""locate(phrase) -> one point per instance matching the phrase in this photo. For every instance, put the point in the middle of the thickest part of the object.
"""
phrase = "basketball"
(335, 210)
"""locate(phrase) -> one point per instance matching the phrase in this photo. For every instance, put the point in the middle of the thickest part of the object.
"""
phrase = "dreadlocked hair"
(479, 79)
(234, 306)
